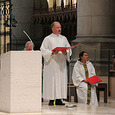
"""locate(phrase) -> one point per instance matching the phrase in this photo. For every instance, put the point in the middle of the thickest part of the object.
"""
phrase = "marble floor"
(81, 109)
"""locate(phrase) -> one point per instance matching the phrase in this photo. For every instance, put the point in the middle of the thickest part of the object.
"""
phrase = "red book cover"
(64, 48)
(94, 79)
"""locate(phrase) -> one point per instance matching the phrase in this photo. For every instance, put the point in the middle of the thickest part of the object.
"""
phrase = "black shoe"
(51, 103)
(42, 100)
(59, 102)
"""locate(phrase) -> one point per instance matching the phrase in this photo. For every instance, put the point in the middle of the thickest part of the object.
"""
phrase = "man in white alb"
(55, 69)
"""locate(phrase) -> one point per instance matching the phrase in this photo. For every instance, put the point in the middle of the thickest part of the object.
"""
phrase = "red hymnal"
(94, 79)
(64, 48)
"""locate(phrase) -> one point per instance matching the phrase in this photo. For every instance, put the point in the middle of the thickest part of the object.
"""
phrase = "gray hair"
(29, 42)
(52, 25)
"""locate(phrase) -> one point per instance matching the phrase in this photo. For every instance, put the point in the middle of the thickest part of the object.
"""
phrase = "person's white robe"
(78, 75)
(55, 70)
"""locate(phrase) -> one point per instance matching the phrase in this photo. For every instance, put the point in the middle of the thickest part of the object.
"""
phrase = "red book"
(94, 79)
(64, 48)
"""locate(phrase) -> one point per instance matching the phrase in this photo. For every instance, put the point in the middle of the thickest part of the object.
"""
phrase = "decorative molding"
(59, 13)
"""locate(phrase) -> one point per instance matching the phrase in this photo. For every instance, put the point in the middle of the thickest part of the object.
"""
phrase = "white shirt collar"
(82, 63)
(55, 35)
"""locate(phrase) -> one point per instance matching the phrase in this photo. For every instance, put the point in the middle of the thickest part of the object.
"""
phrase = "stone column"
(95, 30)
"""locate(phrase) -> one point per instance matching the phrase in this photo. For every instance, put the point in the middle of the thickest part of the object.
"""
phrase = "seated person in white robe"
(82, 70)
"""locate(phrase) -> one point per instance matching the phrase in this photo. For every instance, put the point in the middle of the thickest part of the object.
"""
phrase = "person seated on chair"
(29, 46)
(82, 70)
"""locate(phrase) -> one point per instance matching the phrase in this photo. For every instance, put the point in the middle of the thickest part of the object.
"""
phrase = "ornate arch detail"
(59, 14)
(51, 18)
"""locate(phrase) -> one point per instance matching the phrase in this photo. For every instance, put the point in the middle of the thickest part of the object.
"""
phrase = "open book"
(93, 80)
(64, 48)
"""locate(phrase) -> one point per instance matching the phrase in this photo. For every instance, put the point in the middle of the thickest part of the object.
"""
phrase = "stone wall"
(95, 31)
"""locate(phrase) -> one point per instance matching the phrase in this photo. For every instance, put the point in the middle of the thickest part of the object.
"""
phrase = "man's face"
(85, 57)
(56, 28)
(29, 47)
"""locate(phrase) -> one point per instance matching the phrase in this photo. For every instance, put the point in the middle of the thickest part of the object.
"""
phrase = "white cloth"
(78, 75)
(55, 70)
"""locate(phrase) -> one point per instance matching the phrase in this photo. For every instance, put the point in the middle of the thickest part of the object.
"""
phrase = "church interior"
(89, 23)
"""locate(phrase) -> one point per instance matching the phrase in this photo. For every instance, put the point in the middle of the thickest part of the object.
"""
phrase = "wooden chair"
(102, 87)
(71, 91)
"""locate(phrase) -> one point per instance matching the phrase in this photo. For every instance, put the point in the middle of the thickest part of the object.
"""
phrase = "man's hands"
(85, 81)
(64, 52)
(56, 52)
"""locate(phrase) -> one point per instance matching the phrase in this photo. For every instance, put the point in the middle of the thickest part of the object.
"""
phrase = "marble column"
(95, 31)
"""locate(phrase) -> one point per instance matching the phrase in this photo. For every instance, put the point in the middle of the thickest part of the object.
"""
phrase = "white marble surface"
(20, 81)
(81, 109)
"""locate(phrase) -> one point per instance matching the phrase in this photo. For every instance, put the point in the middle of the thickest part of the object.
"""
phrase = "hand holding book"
(55, 52)
(93, 80)
(64, 48)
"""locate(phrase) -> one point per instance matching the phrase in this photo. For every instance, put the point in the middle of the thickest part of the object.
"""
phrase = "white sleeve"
(46, 52)
(76, 76)
(69, 51)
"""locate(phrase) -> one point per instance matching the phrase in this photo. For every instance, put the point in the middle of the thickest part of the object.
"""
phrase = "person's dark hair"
(81, 54)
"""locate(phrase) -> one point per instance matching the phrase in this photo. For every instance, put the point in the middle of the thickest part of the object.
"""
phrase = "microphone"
(27, 35)
(29, 38)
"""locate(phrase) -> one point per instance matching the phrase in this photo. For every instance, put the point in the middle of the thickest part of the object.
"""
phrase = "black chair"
(102, 87)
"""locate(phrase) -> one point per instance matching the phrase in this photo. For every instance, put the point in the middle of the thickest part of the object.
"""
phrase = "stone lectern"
(20, 81)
